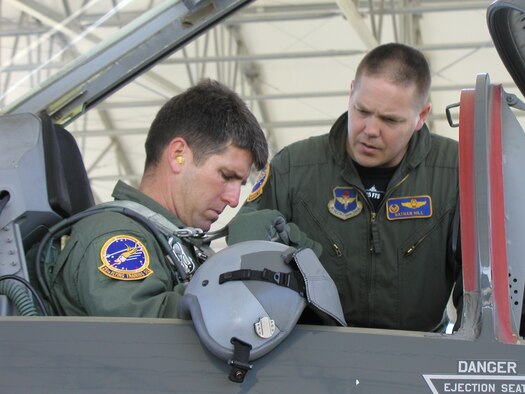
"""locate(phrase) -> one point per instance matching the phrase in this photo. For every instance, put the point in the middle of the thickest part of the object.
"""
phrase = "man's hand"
(268, 225)
(290, 234)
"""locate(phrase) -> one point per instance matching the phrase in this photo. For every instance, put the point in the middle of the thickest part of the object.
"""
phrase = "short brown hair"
(400, 63)
(210, 117)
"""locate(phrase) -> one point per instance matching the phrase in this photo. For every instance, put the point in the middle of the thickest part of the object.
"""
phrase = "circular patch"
(124, 258)
(260, 182)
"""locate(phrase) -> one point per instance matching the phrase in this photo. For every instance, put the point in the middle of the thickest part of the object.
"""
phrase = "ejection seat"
(42, 180)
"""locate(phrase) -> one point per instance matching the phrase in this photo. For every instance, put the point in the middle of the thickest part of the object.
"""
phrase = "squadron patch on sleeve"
(124, 258)
(345, 204)
(258, 187)
(412, 207)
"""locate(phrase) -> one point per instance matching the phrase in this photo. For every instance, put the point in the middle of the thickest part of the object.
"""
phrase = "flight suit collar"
(122, 191)
(337, 139)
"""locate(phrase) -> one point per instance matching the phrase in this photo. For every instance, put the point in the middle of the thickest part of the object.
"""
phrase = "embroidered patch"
(258, 187)
(345, 204)
(124, 258)
(413, 207)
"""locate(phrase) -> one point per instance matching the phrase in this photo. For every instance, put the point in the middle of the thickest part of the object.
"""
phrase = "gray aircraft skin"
(51, 354)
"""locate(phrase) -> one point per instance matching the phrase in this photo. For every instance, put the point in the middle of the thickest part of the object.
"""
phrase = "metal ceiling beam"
(58, 24)
(318, 54)
(130, 52)
(278, 56)
(50, 18)
(298, 11)
(254, 14)
(122, 158)
(251, 72)
(352, 16)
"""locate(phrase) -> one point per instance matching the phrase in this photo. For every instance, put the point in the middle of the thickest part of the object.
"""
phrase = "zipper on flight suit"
(375, 245)
(336, 247)
(413, 247)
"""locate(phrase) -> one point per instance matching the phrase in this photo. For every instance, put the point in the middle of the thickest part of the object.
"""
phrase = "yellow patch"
(258, 187)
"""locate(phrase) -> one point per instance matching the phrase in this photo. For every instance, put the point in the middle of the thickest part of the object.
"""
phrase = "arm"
(84, 285)
(266, 214)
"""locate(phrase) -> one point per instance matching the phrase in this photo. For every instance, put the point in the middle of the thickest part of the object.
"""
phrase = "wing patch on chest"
(412, 207)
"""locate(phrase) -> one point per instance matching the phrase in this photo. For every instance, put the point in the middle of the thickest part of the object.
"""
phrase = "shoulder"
(444, 150)
(309, 151)
(95, 230)
(442, 141)
(106, 221)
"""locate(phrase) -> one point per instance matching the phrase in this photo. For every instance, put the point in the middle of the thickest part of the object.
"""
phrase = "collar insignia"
(260, 182)
(124, 258)
(345, 204)
(412, 207)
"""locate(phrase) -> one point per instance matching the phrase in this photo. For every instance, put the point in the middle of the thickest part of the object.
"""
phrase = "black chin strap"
(293, 280)
(240, 360)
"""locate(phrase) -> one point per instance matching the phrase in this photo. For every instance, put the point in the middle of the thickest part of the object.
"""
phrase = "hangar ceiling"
(291, 60)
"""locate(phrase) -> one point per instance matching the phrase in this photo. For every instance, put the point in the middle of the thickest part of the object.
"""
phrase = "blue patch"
(412, 207)
(345, 204)
(258, 187)
(124, 258)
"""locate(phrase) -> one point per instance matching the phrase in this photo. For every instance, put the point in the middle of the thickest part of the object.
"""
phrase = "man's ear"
(352, 86)
(423, 115)
(177, 154)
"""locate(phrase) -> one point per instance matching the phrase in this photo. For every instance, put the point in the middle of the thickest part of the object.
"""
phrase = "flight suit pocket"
(423, 274)
(312, 222)
(423, 237)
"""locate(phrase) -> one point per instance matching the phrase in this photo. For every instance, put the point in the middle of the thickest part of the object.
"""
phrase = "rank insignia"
(258, 187)
(345, 204)
(124, 258)
(412, 207)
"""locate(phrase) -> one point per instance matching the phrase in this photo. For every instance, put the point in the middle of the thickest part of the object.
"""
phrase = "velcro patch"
(346, 203)
(258, 187)
(412, 207)
(124, 258)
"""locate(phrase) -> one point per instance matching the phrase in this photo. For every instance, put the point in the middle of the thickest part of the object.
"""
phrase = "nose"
(372, 126)
(231, 194)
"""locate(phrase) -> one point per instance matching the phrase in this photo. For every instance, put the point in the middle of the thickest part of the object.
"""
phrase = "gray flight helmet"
(255, 292)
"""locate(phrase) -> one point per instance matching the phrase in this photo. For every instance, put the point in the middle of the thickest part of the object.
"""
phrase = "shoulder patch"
(411, 207)
(124, 258)
(258, 187)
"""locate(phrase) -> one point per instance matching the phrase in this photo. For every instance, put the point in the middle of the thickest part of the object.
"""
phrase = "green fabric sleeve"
(82, 289)
(251, 224)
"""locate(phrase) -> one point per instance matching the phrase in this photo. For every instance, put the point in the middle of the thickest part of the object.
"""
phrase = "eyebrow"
(387, 116)
(233, 174)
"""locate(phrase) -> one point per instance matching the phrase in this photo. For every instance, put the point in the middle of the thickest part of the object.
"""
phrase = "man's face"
(382, 117)
(212, 185)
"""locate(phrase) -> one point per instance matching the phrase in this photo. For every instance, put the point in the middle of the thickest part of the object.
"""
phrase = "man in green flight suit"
(379, 193)
(199, 151)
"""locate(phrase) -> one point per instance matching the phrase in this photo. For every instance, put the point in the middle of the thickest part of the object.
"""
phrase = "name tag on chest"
(411, 207)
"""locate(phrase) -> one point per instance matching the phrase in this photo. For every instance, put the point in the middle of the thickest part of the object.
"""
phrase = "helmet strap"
(240, 360)
(292, 280)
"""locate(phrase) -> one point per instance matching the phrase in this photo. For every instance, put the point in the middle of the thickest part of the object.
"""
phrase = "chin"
(205, 226)
(368, 162)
